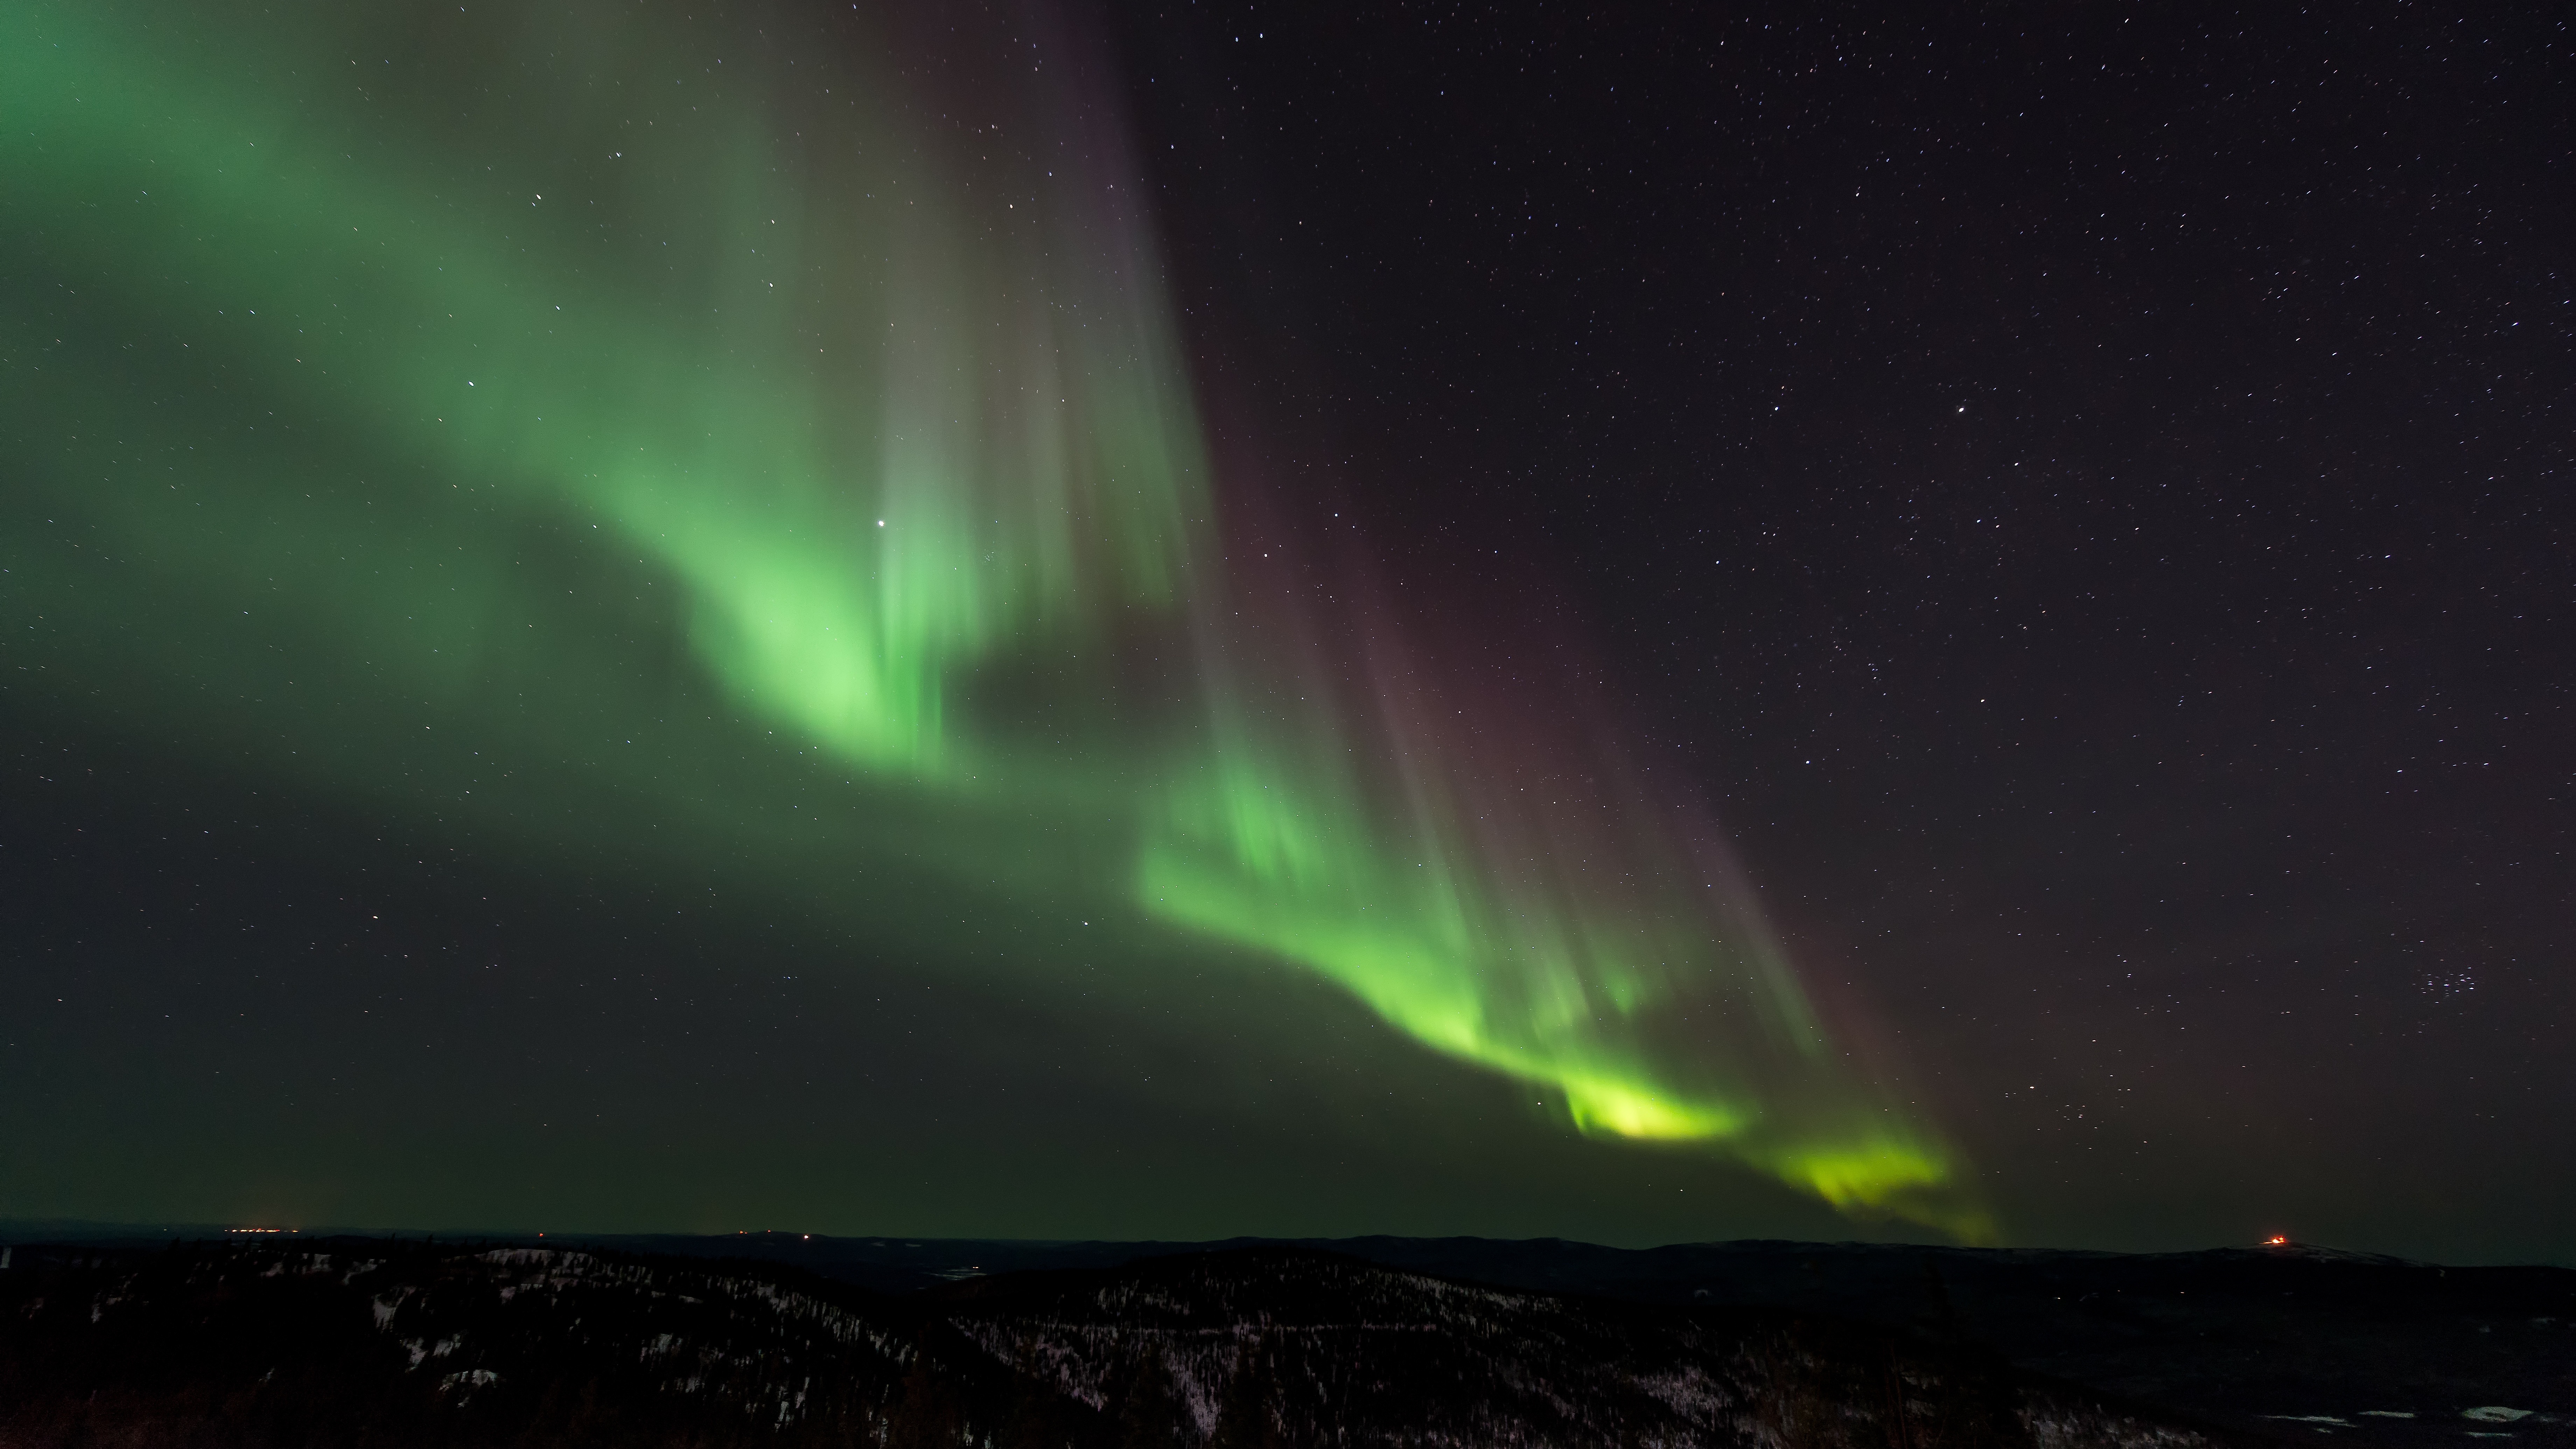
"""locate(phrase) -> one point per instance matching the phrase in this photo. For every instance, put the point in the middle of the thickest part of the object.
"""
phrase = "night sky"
(1176, 621)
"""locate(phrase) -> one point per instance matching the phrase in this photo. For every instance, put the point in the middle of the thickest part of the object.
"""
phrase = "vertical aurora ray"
(863, 391)
(1509, 892)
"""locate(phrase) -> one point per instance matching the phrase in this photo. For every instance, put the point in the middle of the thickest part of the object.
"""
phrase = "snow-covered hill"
(392, 1345)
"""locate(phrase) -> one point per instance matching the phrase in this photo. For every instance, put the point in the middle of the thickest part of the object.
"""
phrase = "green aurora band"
(418, 360)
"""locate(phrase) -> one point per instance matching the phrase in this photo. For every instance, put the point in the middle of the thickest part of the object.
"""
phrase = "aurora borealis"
(878, 426)
(1129, 618)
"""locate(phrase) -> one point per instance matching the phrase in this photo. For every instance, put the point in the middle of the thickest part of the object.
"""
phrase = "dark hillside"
(2284, 1338)
(391, 1346)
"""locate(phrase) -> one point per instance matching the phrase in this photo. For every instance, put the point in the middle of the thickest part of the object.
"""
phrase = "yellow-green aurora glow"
(599, 372)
